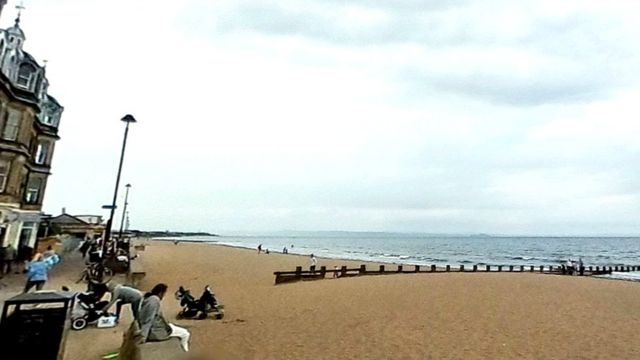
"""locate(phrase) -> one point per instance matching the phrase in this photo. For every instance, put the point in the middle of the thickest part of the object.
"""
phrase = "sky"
(499, 117)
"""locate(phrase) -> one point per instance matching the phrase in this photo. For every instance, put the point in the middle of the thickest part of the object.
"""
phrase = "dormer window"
(32, 193)
(25, 73)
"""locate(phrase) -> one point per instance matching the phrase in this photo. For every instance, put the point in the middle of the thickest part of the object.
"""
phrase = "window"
(41, 153)
(5, 166)
(12, 127)
(32, 196)
(24, 75)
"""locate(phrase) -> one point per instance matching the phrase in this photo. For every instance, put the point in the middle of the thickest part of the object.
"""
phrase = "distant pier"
(318, 274)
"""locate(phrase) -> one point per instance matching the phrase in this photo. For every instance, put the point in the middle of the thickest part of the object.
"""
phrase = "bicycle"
(96, 273)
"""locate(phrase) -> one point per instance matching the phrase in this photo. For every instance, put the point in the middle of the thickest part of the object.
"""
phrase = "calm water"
(428, 249)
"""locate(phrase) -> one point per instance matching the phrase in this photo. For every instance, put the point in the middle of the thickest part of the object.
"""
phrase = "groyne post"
(532, 268)
(487, 268)
(475, 268)
(448, 268)
(499, 268)
(541, 268)
(433, 268)
(521, 268)
(510, 268)
(581, 270)
(298, 272)
(323, 271)
(363, 269)
(343, 270)
(461, 268)
(312, 268)
(382, 268)
(399, 268)
(417, 269)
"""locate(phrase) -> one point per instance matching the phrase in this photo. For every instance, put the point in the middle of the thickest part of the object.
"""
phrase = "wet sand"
(406, 316)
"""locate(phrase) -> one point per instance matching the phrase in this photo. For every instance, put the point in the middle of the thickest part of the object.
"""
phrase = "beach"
(406, 316)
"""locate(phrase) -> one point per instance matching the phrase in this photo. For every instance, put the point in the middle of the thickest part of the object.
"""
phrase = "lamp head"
(129, 118)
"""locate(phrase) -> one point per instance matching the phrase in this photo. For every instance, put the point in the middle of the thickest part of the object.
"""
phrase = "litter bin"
(34, 325)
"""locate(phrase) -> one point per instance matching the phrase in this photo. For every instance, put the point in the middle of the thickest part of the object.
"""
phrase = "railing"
(344, 271)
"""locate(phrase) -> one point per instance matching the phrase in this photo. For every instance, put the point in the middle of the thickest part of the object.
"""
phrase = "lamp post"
(124, 210)
(107, 234)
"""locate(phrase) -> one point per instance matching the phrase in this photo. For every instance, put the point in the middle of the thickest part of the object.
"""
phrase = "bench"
(136, 272)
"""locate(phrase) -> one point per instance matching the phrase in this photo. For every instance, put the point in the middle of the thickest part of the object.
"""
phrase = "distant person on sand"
(259, 248)
(153, 326)
(314, 261)
(570, 267)
(266, 251)
(335, 273)
(38, 271)
(285, 251)
(580, 264)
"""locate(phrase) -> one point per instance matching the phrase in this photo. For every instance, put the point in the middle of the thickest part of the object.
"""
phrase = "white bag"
(106, 322)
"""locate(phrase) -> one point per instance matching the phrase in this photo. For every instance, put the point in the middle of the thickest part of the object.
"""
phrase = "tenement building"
(29, 119)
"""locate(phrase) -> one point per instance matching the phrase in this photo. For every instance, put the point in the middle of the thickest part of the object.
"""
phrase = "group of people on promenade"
(146, 311)
(14, 260)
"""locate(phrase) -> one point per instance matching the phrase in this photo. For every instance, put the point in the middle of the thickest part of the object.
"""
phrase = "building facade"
(29, 119)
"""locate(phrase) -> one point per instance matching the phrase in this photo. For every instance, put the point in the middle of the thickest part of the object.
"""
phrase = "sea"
(427, 249)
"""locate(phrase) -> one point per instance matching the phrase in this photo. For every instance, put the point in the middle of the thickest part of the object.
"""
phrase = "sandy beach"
(408, 316)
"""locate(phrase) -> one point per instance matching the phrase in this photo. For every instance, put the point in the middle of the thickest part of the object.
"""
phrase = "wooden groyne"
(317, 274)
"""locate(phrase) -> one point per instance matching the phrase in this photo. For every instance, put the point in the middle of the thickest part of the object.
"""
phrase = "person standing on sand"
(314, 261)
(259, 248)
(153, 326)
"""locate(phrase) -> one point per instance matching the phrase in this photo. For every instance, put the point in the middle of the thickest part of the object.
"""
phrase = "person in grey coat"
(153, 325)
(122, 295)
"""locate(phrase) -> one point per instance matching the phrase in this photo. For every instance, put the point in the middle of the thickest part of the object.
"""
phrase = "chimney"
(64, 211)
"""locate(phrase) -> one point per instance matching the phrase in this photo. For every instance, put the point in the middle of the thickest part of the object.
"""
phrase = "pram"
(88, 310)
(192, 308)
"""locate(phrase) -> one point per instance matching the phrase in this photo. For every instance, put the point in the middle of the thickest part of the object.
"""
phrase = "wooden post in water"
(399, 268)
(581, 270)
(433, 268)
(487, 268)
(417, 269)
(382, 268)
(541, 268)
(461, 268)
(343, 270)
(499, 268)
(511, 268)
(590, 268)
(448, 268)
(531, 268)
(298, 272)
(521, 268)
(616, 267)
(312, 268)
(597, 268)
(323, 270)
(475, 268)
(363, 269)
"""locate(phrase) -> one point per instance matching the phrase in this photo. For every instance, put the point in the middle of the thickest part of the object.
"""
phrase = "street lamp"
(124, 211)
(107, 234)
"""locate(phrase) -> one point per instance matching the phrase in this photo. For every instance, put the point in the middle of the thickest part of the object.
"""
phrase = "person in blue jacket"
(38, 271)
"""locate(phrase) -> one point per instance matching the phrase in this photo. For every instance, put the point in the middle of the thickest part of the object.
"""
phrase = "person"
(153, 326)
(570, 267)
(38, 271)
(285, 251)
(122, 295)
(9, 257)
(259, 248)
(580, 264)
(314, 261)
(335, 273)
(50, 252)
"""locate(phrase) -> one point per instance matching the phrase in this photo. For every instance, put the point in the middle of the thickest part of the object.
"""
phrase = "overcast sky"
(503, 117)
